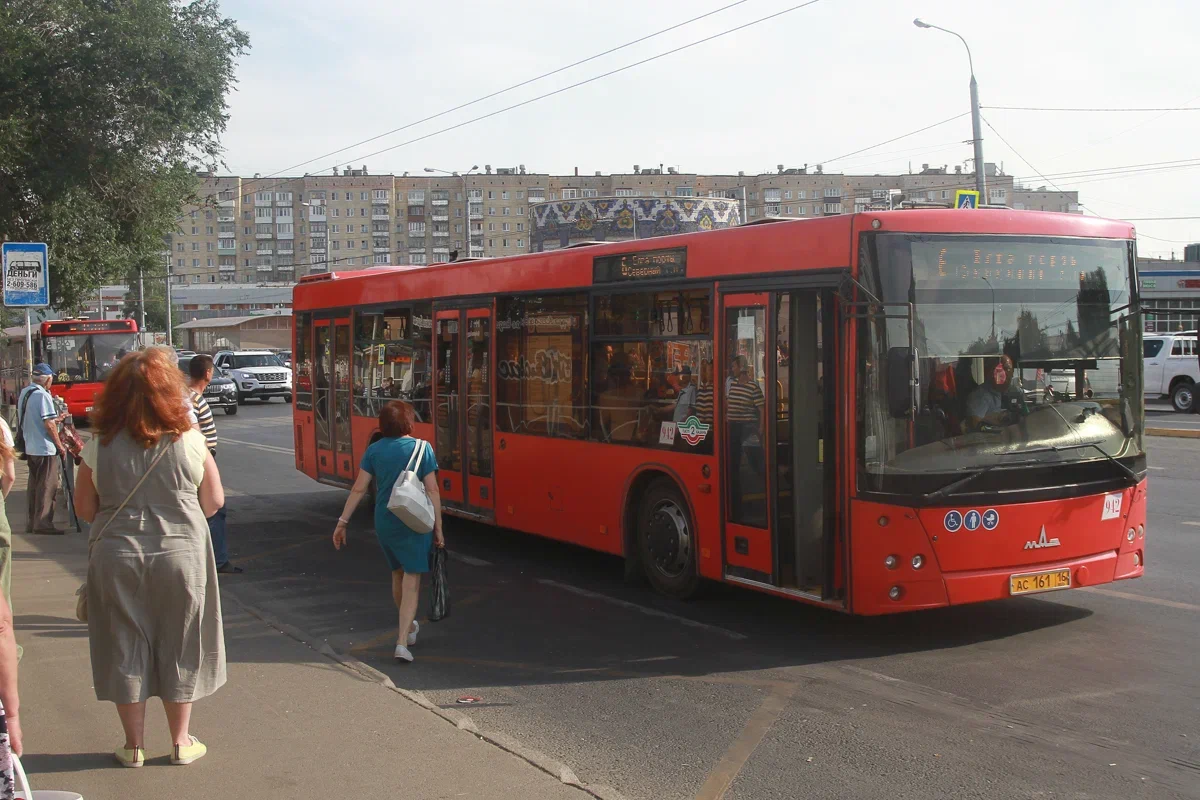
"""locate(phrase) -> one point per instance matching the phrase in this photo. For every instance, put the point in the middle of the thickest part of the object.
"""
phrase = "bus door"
(331, 398)
(778, 452)
(463, 408)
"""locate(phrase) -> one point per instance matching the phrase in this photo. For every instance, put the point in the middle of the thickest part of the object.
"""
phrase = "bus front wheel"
(667, 541)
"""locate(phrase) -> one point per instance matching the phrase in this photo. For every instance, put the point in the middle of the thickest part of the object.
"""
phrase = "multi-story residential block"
(278, 229)
(1043, 199)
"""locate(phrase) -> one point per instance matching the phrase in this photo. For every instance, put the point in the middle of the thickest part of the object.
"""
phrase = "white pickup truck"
(1172, 367)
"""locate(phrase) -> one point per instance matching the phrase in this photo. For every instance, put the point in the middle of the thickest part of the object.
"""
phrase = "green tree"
(105, 109)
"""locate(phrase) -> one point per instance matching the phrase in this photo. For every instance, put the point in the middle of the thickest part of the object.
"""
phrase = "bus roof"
(827, 243)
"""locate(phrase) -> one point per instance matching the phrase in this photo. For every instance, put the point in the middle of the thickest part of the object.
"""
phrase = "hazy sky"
(805, 87)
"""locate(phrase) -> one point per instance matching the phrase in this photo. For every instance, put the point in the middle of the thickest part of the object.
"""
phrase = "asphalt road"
(1159, 415)
(1092, 693)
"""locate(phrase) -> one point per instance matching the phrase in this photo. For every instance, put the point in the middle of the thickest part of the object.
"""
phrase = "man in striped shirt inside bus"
(745, 413)
(200, 373)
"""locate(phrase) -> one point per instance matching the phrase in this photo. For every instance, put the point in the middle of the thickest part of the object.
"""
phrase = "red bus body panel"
(577, 491)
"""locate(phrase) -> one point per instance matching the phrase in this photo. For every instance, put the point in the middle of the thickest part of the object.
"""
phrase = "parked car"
(1171, 368)
(285, 356)
(259, 374)
(221, 391)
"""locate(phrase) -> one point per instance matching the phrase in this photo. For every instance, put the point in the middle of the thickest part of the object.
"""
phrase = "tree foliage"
(106, 108)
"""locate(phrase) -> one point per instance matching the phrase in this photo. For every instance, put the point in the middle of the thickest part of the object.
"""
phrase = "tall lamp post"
(466, 201)
(976, 132)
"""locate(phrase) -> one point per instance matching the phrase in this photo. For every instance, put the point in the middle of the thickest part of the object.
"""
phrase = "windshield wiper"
(1050, 448)
(961, 482)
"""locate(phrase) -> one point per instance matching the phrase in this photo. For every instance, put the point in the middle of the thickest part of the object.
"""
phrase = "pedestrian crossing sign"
(965, 198)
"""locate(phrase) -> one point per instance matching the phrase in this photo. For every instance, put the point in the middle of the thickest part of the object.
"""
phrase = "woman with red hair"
(148, 485)
(406, 550)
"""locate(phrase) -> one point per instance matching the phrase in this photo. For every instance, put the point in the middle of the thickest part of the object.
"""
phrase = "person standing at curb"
(8, 476)
(38, 422)
(153, 604)
(200, 374)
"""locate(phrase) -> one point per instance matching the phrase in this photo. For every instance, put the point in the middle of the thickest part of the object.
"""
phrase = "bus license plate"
(1031, 582)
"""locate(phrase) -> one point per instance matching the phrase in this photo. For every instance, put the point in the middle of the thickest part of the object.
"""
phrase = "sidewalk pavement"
(290, 722)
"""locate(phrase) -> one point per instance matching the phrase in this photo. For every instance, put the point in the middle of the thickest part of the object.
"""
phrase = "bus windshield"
(987, 347)
(88, 357)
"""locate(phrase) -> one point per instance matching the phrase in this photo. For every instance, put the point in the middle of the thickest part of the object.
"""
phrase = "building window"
(507, 212)
(800, 194)
(520, 211)
(831, 192)
(491, 211)
(833, 208)
(624, 192)
(195, 262)
(570, 194)
(381, 195)
(491, 195)
(520, 226)
(520, 242)
(506, 242)
(416, 196)
(536, 195)
(590, 193)
(772, 195)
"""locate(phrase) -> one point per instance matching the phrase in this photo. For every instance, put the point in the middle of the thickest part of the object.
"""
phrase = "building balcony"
(416, 250)
(226, 203)
(224, 216)
(228, 268)
(441, 234)
(381, 212)
(286, 267)
(476, 252)
(224, 246)
(444, 251)
(265, 249)
(281, 235)
(283, 202)
(383, 249)
(316, 214)
(264, 268)
(476, 213)
(445, 202)
(269, 235)
(440, 217)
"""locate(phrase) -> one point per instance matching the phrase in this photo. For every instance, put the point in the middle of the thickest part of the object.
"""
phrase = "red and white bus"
(852, 411)
(81, 351)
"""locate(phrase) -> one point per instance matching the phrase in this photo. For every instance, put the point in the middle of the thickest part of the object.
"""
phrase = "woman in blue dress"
(407, 552)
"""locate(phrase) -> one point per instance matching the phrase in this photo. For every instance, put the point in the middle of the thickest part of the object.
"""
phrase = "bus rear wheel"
(666, 541)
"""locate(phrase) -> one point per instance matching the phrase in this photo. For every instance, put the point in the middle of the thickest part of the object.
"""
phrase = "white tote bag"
(408, 501)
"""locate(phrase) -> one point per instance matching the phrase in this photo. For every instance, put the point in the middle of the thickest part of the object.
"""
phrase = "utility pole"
(976, 130)
(141, 302)
(170, 332)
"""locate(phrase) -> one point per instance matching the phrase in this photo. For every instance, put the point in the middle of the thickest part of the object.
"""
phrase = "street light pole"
(976, 130)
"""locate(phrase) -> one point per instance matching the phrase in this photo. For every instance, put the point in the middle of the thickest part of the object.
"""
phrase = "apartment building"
(1043, 199)
(278, 229)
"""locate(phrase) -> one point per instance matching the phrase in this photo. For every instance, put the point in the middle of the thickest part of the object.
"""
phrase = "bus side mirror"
(899, 382)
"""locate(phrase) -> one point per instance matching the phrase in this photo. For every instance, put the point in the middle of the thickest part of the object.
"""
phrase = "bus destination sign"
(86, 326)
(644, 266)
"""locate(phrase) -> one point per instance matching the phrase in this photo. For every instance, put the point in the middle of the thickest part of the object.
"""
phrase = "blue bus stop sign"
(26, 274)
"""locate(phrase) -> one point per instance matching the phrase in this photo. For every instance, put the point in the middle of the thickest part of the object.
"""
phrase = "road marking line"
(727, 769)
(651, 658)
(1156, 468)
(267, 447)
(1141, 598)
(652, 612)
(1193, 523)
(466, 559)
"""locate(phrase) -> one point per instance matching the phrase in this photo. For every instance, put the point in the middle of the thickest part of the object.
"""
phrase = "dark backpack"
(19, 434)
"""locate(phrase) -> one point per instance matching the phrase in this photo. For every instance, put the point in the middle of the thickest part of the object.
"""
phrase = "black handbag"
(439, 602)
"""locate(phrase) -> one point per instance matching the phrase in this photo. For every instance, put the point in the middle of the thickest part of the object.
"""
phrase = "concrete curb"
(1179, 433)
(459, 720)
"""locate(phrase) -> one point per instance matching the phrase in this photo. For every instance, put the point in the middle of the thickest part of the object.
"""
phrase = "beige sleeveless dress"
(154, 608)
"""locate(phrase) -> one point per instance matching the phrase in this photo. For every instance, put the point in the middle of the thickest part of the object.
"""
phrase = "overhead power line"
(895, 139)
(577, 84)
(499, 92)
(1095, 110)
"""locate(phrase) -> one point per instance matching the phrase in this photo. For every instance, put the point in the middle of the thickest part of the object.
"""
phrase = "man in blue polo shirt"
(39, 426)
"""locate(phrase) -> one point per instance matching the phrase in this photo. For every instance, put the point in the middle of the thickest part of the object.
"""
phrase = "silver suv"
(259, 374)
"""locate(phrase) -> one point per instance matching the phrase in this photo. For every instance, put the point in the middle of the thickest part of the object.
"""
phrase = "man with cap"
(38, 419)
(685, 401)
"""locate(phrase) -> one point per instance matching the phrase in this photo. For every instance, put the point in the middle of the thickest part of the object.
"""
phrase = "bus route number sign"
(643, 266)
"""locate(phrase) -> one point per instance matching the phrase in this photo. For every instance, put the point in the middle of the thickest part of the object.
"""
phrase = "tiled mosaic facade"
(611, 219)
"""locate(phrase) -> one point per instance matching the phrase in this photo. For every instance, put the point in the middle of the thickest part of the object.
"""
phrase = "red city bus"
(81, 351)
(851, 411)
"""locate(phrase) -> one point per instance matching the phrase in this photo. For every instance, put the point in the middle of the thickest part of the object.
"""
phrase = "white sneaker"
(402, 653)
(412, 635)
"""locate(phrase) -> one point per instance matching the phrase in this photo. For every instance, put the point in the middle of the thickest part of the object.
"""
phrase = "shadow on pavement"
(515, 619)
